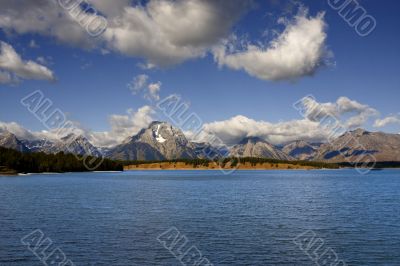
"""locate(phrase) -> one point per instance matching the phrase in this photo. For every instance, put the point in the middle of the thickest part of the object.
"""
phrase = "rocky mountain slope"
(360, 145)
(38, 145)
(301, 150)
(76, 145)
(257, 147)
(204, 150)
(9, 140)
(134, 151)
(69, 144)
(159, 141)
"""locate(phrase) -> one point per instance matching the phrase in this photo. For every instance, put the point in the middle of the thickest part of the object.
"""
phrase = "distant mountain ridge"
(9, 140)
(360, 145)
(69, 144)
(301, 150)
(162, 141)
(257, 147)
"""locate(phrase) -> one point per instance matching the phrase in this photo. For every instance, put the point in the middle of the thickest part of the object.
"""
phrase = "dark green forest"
(60, 162)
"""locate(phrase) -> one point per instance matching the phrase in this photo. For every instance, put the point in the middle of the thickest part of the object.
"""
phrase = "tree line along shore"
(14, 162)
(249, 163)
(227, 163)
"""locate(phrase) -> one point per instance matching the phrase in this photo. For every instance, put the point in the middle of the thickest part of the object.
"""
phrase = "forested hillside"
(60, 162)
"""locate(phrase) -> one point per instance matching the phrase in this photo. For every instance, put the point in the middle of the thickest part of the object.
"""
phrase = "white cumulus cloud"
(392, 119)
(123, 126)
(163, 32)
(153, 91)
(300, 50)
(17, 130)
(110, 8)
(138, 83)
(141, 84)
(11, 62)
(232, 130)
(169, 32)
(45, 17)
(349, 113)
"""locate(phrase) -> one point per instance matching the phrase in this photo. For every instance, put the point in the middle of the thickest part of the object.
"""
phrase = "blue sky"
(91, 86)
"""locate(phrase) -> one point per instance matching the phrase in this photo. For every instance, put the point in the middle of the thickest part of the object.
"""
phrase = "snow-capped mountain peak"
(158, 136)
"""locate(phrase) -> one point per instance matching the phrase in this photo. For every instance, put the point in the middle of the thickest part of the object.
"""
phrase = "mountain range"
(257, 147)
(162, 141)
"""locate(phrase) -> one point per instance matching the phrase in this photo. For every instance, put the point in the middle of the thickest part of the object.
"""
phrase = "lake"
(246, 218)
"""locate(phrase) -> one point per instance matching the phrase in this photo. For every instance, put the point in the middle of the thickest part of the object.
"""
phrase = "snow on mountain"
(160, 138)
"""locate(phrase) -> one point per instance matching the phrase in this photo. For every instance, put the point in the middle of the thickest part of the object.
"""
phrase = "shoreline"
(213, 166)
(247, 169)
(151, 167)
(53, 173)
(219, 169)
(190, 169)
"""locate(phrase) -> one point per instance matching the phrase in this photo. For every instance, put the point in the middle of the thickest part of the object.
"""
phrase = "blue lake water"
(247, 218)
